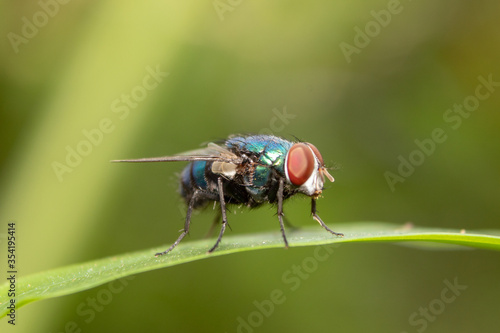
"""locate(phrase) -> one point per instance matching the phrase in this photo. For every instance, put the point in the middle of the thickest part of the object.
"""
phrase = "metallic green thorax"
(269, 152)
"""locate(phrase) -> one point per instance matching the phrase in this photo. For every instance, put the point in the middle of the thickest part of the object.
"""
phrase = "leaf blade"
(74, 278)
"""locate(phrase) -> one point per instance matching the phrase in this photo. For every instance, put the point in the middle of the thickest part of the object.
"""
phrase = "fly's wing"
(212, 152)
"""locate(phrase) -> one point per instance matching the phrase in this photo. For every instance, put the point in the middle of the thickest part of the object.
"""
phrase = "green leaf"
(75, 278)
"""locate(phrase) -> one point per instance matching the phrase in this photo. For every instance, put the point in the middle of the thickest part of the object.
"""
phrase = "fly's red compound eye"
(300, 163)
(317, 153)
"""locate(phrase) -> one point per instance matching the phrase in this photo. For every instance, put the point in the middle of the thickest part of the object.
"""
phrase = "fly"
(248, 170)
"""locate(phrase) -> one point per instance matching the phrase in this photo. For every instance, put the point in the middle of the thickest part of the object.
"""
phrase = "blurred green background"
(239, 67)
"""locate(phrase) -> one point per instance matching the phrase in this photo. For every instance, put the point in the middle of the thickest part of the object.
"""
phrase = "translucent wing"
(212, 152)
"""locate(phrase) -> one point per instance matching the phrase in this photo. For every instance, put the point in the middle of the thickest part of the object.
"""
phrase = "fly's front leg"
(317, 218)
(223, 213)
(186, 225)
(280, 210)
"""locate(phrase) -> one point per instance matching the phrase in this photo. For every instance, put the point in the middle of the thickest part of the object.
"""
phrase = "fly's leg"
(280, 210)
(317, 218)
(186, 225)
(223, 213)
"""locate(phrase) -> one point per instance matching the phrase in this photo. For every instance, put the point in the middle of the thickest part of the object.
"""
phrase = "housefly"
(248, 170)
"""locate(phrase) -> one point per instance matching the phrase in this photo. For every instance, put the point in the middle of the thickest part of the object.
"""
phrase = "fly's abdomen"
(193, 178)
(194, 175)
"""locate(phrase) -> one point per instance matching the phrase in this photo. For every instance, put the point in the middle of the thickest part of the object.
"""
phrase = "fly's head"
(304, 168)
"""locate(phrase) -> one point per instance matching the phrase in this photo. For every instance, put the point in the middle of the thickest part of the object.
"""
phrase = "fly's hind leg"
(317, 218)
(223, 214)
(186, 225)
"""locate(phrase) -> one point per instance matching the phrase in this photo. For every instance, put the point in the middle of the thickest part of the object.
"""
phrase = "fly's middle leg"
(223, 214)
(280, 210)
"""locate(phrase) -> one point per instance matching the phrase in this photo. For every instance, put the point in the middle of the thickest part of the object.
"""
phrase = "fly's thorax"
(305, 169)
(261, 157)
(266, 150)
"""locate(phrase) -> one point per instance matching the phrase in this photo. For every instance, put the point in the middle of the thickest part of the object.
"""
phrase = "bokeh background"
(239, 67)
